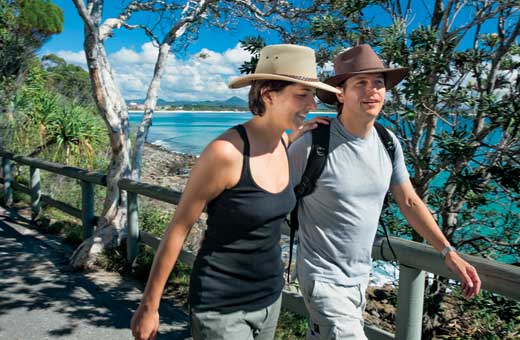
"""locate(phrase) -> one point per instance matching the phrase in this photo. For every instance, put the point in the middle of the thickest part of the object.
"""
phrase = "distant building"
(135, 106)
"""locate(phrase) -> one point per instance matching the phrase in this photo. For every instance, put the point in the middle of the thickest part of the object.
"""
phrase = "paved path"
(40, 299)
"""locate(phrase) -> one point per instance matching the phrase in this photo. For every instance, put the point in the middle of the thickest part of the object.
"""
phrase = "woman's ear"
(266, 95)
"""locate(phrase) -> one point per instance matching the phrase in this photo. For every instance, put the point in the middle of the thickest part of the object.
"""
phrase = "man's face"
(363, 95)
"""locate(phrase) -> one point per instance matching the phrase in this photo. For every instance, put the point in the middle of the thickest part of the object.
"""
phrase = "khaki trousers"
(256, 325)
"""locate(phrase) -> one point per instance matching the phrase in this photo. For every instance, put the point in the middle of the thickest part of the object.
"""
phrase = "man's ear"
(340, 96)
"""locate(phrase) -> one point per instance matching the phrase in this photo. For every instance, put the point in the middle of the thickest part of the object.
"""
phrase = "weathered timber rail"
(414, 258)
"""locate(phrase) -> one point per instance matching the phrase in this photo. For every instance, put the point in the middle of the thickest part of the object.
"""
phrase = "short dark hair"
(256, 103)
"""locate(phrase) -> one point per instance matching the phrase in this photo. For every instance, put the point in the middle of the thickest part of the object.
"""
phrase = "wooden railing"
(414, 258)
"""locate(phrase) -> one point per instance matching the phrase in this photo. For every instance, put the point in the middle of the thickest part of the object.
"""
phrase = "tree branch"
(479, 17)
(146, 30)
(501, 51)
(487, 239)
(84, 14)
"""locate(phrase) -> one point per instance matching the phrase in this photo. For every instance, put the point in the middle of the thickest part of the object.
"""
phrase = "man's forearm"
(423, 222)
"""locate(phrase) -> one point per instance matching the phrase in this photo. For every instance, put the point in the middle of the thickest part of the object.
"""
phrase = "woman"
(243, 179)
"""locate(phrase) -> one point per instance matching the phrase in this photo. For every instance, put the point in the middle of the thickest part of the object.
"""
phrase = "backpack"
(315, 165)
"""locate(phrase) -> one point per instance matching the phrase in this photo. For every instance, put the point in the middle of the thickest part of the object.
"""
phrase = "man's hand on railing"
(145, 323)
(467, 274)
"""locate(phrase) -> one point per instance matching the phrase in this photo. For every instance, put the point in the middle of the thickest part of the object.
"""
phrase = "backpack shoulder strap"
(315, 162)
(387, 140)
(389, 144)
(315, 165)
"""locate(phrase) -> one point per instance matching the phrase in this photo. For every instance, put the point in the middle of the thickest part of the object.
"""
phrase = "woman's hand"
(307, 126)
(145, 323)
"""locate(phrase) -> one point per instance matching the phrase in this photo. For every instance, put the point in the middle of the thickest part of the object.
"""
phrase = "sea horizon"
(219, 111)
(188, 132)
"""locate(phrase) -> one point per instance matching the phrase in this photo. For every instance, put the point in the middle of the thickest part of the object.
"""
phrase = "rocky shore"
(166, 168)
(170, 170)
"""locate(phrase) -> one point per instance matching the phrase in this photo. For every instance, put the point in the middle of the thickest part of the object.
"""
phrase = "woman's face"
(292, 104)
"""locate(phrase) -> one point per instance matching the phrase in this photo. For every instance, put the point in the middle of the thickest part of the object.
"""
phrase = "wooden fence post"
(36, 194)
(410, 300)
(87, 208)
(8, 181)
(132, 240)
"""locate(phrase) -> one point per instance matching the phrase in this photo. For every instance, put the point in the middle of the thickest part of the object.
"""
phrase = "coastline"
(190, 111)
(161, 148)
(218, 111)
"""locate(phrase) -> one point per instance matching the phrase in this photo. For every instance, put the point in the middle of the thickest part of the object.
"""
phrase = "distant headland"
(231, 104)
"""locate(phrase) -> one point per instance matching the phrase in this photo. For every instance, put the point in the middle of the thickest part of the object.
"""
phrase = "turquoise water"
(190, 132)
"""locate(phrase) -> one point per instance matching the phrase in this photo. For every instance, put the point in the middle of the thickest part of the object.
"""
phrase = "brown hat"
(359, 59)
(287, 62)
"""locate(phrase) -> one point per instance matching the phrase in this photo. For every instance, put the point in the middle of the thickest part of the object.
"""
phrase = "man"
(338, 221)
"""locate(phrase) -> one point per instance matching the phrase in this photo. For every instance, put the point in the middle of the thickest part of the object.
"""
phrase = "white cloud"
(201, 76)
(126, 56)
(149, 53)
(77, 58)
(237, 55)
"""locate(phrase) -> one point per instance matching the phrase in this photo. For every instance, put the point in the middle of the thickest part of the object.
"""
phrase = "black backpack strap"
(389, 144)
(293, 226)
(387, 140)
(315, 165)
(315, 162)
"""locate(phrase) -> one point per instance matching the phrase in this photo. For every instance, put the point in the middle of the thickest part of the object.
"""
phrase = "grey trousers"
(256, 325)
(335, 312)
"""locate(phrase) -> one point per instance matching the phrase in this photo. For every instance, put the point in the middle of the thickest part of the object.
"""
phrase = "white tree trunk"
(150, 103)
(110, 102)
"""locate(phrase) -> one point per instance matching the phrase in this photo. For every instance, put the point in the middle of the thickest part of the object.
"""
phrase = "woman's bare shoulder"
(226, 149)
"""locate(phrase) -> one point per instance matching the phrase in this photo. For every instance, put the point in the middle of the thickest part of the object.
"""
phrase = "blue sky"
(187, 77)
(72, 35)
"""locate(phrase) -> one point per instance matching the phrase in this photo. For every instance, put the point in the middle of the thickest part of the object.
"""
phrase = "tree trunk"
(112, 224)
(150, 102)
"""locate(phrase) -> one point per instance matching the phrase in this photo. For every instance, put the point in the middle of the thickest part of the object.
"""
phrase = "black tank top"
(239, 265)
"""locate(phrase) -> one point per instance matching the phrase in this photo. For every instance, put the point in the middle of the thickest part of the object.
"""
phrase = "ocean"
(190, 132)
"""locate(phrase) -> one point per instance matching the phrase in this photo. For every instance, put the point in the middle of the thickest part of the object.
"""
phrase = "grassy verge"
(290, 326)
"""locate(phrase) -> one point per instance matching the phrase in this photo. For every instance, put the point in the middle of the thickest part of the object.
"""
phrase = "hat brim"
(392, 77)
(248, 79)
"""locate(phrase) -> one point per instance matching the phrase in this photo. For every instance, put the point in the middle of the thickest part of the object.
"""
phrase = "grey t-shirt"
(338, 221)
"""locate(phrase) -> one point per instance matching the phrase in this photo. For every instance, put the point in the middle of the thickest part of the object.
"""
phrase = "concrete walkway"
(40, 299)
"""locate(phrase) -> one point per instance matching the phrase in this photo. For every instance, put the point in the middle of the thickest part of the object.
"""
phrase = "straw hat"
(360, 60)
(287, 62)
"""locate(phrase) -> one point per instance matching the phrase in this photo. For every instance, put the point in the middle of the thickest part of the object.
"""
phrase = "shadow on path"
(42, 299)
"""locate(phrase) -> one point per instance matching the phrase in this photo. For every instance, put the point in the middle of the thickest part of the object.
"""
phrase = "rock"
(170, 170)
